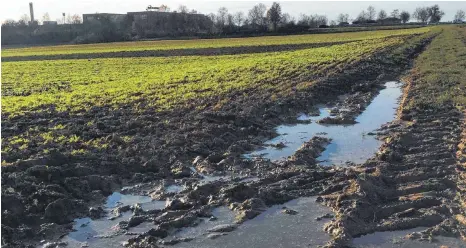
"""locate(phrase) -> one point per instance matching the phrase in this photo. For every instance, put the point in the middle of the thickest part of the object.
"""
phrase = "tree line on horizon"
(258, 20)
(25, 20)
(261, 18)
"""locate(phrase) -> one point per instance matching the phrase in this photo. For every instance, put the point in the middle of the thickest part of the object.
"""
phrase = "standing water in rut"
(105, 232)
(273, 228)
(349, 142)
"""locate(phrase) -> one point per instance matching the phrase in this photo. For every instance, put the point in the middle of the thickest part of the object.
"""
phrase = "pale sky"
(14, 9)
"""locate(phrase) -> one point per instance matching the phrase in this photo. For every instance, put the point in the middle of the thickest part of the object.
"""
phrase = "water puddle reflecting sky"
(105, 232)
(349, 142)
(397, 239)
(272, 228)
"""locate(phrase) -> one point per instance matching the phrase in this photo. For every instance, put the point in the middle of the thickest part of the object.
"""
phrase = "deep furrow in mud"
(405, 189)
(176, 52)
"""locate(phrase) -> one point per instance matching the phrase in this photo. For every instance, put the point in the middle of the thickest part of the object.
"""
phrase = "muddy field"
(175, 52)
(354, 160)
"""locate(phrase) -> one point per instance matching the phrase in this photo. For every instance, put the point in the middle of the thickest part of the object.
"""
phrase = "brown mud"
(412, 182)
(403, 187)
(177, 52)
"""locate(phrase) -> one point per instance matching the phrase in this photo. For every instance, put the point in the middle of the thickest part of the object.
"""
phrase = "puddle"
(273, 229)
(174, 188)
(349, 142)
(96, 233)
(226, 178)
(397, 239)
(106, 233)
(210, 178)
(117, 199)
(142, 228)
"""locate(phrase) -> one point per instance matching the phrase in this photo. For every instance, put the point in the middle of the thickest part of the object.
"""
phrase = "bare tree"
(459, 16)
(395, 13)
(230, 20)
(342, 18)
(313, 21)
(333, 23)
(24, 19)
(193, 11)
(222, 17)
(286, 19)
(212, 17)
(435, 14)
(256, 15)
(321, 20)
(371, 13)
(9, 23)
(382, 15)
(46, 17)
(59, 21)
(303, 19)
(274, 15)
(76, 19)
(239, 18)
(68, 19)
(183, 9)
(421, 14)
(362, 17)
(404, 16)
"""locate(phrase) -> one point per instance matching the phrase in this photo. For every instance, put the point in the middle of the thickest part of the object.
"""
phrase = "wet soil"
(402, 239)
(410, 183)
(43, 195)
(176, 52)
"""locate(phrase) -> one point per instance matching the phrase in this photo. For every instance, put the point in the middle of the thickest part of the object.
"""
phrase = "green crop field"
(440, 70)
(165, 82)
(208, 43)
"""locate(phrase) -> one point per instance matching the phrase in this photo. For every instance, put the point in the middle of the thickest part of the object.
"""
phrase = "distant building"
(154, 23)
(49, 23)
(98, 17)
(390, 20)
(149, 24)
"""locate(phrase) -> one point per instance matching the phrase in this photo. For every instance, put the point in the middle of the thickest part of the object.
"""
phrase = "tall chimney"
(32, 12)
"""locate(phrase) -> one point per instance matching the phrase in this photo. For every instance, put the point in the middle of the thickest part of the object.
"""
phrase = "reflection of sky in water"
(349, 142)
(174, 188)
(391, 239)
(117, 198)
(93, 232)
(271, 228)
(212, 178)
